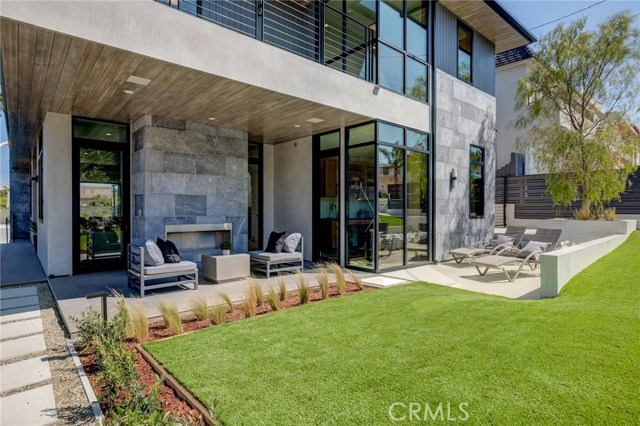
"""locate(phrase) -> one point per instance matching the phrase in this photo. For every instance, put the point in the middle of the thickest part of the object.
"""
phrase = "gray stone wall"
(19, 206)
(464, 116)
(187, 173)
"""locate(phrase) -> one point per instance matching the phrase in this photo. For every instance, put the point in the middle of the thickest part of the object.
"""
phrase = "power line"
(566, 16)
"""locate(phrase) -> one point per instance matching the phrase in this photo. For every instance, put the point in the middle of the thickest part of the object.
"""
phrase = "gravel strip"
(71, 402)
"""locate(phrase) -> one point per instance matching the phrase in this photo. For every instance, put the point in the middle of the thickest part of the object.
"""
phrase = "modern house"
(368, 126)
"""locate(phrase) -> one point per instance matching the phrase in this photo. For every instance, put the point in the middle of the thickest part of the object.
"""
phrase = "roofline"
(511, 20)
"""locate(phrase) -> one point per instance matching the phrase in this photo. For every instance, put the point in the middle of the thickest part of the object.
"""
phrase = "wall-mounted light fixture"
(453, 179)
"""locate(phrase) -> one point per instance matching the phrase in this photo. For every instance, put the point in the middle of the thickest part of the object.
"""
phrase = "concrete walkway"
(19, 264)
(26, 392)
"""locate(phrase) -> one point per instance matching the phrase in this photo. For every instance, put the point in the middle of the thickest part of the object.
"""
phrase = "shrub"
(255, 287)
(199, 307)
(228, 301)
(282, 290)
(323, 280)
(341, 283)
(303, 288)
(356, 280)
(117, 372)
(171, 316)
(218, 313)
(274, 299)
(89, 325)
(250, 302)
(143, 409)
(137, 323)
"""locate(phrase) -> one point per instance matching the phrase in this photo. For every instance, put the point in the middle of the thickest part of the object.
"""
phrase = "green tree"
(575, 102)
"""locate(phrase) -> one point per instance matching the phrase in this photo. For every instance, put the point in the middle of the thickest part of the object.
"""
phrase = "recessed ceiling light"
(138, 80)
(212, 118)
(315, 120)
(108, 134)
(128, 92)
(296, 125)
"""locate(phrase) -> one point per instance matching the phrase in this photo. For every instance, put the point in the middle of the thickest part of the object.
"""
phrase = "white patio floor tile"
(22, 346)
(24, 373)
(19, 314)
(18, 292)
(30, 408)
(18, 302)
(21, 328)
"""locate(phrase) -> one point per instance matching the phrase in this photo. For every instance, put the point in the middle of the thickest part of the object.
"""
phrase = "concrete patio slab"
(380, 281)
(21, 328)
(30, 408)
(20, 264)
(23, 346)
(10, 293)
(19, 314)
(18, 302)
(24, 373)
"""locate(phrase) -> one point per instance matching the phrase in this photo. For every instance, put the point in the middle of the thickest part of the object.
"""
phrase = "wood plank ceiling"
(487, 22)
(46, 71)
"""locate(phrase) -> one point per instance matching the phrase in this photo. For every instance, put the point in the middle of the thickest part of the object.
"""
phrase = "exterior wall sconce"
(453, 179)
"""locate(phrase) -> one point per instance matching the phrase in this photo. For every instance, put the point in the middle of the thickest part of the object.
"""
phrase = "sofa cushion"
(155, 254)
(291, 243)
(169, 250)
(183, 266)
(276, 241)
(276, 257)
(148, 260)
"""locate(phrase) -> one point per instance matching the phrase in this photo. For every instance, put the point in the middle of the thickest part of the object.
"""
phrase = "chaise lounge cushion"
(167, 268)
(276, 257)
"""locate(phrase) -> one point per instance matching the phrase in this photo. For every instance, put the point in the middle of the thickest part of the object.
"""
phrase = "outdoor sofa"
(146, 277)
(269, 263)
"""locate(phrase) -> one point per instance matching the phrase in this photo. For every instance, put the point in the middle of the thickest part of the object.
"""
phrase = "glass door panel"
(417, 207)
(329, 214)
(361, 197)
(390, 207)
(101, 207)
(254, 207)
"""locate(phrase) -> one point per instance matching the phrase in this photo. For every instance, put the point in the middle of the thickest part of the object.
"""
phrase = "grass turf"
(573, 359)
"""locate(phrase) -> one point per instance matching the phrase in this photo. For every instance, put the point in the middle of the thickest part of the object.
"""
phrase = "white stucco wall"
(55, 233)
(152, 29)
(293, 190)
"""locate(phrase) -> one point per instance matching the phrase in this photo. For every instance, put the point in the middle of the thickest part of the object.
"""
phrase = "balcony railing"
(312, 29)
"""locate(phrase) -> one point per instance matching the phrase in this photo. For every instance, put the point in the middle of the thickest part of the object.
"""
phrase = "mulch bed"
(157, 330)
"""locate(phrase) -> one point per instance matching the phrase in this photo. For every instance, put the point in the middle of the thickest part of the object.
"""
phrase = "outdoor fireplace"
(194, 240)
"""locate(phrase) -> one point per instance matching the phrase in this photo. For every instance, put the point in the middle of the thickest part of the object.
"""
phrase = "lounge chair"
(269, 263)
(511, 257)
(489, 247)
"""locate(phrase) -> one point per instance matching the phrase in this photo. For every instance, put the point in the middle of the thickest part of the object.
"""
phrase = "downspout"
(432, 155)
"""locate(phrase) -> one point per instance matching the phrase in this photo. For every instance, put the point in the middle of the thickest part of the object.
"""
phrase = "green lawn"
(574, 359)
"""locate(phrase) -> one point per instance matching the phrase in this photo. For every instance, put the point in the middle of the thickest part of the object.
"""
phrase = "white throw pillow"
(153, 254)
(533, 247)
(291, 243)
(504, 239)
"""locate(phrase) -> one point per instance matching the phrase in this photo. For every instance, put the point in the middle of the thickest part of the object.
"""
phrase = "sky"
(530, 13)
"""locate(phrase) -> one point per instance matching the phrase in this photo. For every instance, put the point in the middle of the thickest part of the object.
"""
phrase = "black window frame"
(467, 28)
(481, 199)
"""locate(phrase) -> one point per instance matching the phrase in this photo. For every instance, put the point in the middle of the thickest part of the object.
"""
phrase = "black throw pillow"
(169, 251)
(276, 242)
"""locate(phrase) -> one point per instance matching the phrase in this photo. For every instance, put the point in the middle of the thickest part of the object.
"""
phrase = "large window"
(476, 182)
(465, 42)
(402, 47)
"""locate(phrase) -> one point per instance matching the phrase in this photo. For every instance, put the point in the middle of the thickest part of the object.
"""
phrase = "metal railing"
(313, 29)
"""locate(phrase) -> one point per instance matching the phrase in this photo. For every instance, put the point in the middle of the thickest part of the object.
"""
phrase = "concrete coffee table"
(219, 269)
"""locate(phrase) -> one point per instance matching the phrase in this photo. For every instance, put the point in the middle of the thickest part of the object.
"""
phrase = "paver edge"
(88, 390)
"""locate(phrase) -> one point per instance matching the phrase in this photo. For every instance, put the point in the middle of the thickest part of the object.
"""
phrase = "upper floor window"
(465, 43)
(476, 182)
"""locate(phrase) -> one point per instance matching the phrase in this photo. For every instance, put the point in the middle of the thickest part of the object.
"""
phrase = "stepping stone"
(22, 346)
(19, 314)
(18, 302)
(383, 281)
(33, 407)
(24, 373)
(21, 328)
(18, 292)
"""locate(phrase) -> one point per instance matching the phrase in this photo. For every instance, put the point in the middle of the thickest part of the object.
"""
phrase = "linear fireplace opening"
(195, 240)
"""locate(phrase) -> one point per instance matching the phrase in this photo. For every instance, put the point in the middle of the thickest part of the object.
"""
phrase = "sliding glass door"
(327, 196)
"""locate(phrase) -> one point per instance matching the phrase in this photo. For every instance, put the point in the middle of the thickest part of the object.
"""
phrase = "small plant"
(282, 292)
(323, 280)
(341, 282)
(33, 227)
(255, 287)
(89, 325)
(137, 324)
(303, 288)
(356, 280)
(274, 299)
(226, 245)
(250, 302)
(171, 316)
(228, 301)
(199, 307)
(218, 313)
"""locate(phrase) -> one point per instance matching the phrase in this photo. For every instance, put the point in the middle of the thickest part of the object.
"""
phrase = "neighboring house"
(239, 118)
